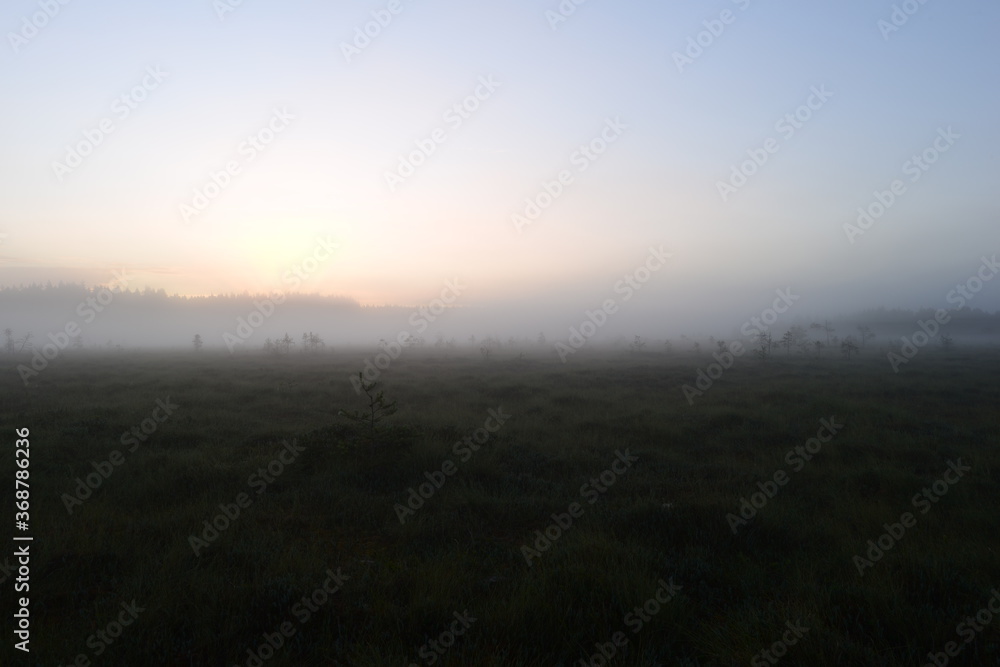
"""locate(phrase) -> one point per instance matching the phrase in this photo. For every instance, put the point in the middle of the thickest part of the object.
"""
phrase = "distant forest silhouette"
(151, 317)
(73, 292)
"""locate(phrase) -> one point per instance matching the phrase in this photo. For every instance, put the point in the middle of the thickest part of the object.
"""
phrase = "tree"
(826, 327)
(794, 337)
(800, 333)
(786, 341)
(197, 342)
(849, 346)
(866, 334)
(312, 342)
(280, 346)
(377, 410)
(763, 349)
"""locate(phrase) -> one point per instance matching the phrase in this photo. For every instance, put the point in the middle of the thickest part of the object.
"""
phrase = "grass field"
(647, 559)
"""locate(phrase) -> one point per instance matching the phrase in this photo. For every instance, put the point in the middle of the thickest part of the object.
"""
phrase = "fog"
(80, 318)
(676, 187)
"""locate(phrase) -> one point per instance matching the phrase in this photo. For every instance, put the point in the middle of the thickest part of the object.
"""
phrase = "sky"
(216, 147)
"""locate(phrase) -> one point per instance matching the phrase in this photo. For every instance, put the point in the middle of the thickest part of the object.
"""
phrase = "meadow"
(208, 509)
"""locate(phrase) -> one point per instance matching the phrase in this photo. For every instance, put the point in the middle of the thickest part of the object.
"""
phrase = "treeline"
(108, 316)
(37, 295)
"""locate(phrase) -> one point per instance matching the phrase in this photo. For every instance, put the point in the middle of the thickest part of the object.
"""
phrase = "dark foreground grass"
(334, 509)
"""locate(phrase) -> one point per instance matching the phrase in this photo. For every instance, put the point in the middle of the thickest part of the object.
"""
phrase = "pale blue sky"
(325, 173)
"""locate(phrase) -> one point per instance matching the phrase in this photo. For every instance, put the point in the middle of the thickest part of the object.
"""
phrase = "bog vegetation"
(740, 513)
